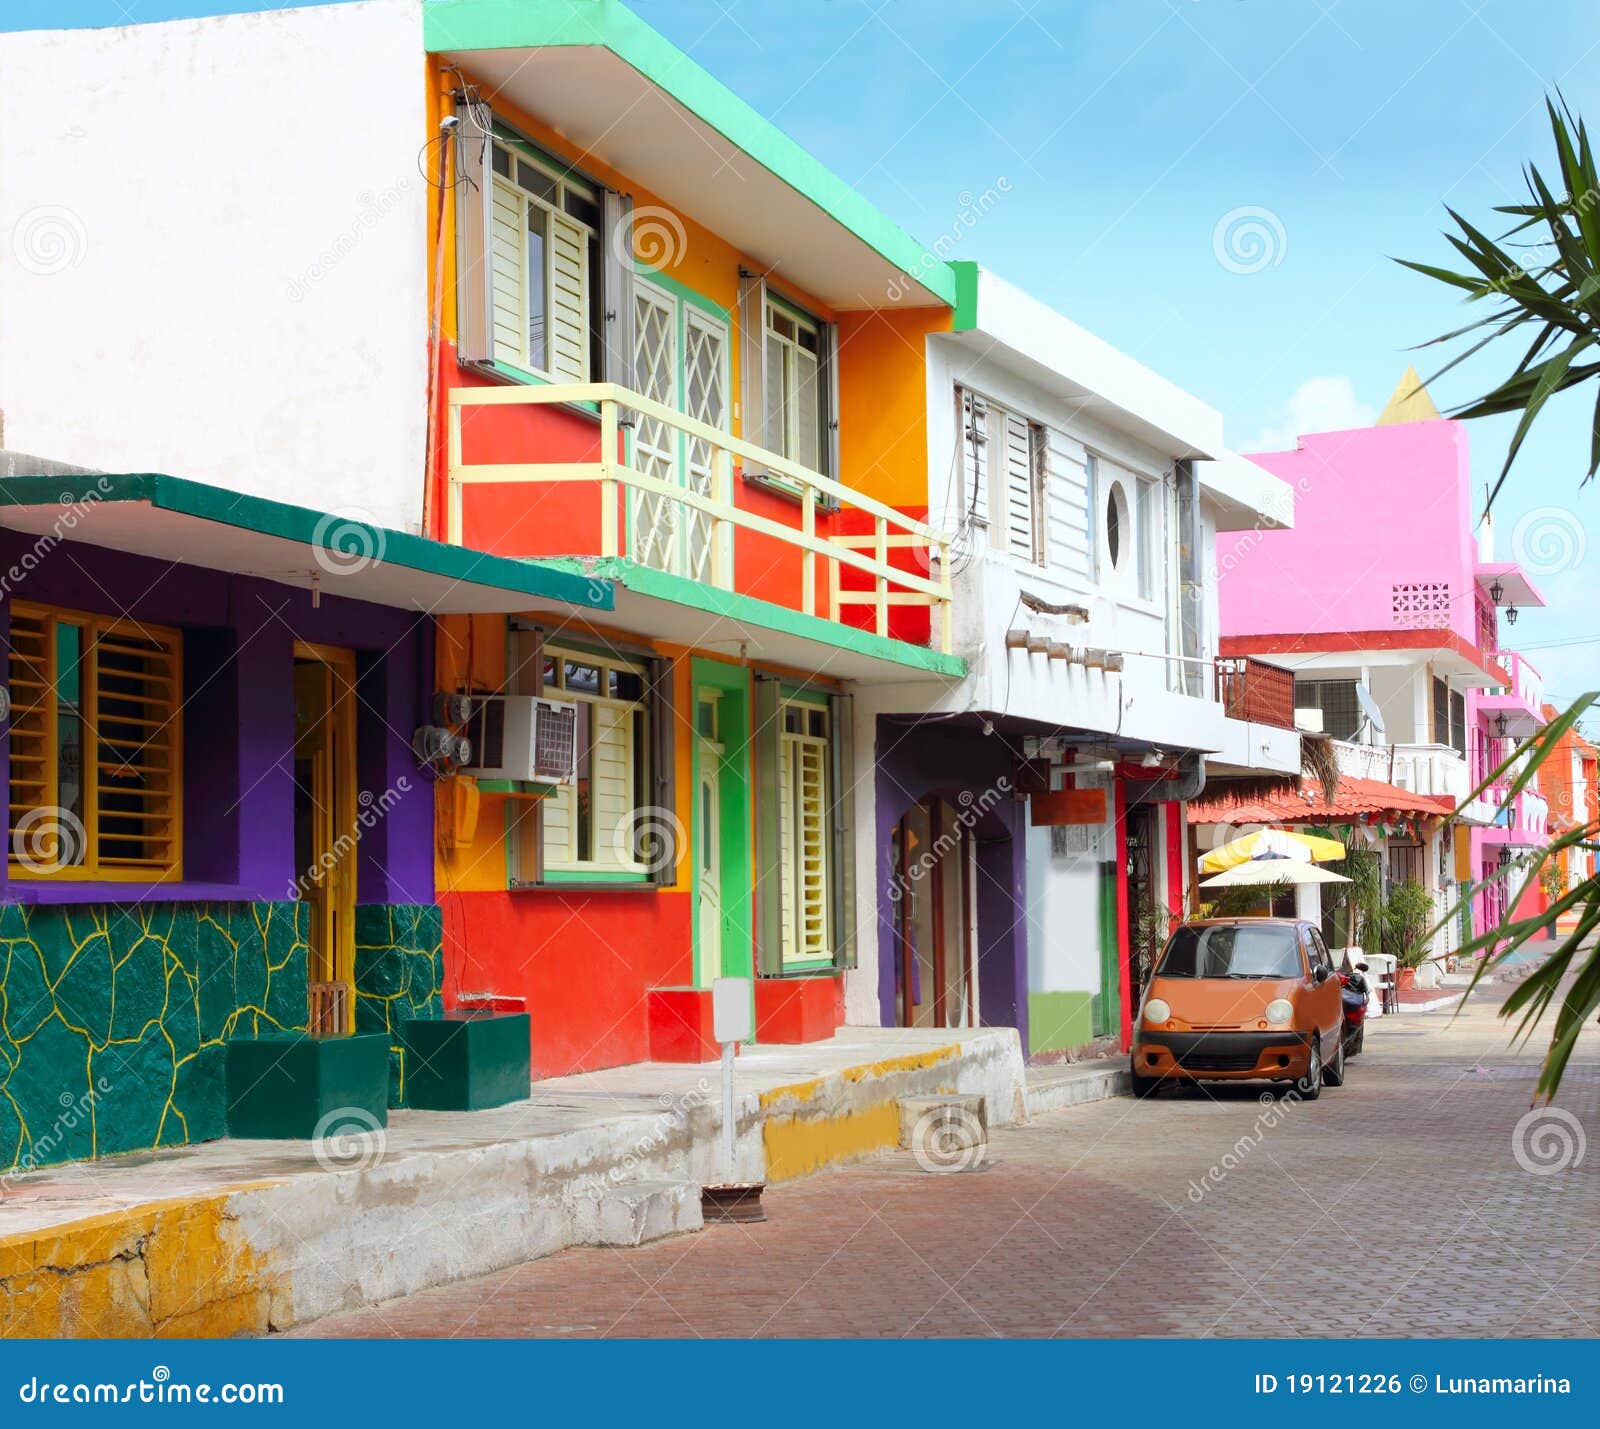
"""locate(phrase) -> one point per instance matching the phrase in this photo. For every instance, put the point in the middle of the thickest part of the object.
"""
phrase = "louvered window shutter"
(1019, 493)
(611, 785)
(32, 685)
(975, 455)
(766, 740)
(569, 301)
(475, 199)
(137, 693)
(843, 861)
(508, 277)
(829, 389)
(812, 894)
(753, 365)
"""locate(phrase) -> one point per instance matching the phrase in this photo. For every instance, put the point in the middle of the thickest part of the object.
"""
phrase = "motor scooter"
(1353, 993)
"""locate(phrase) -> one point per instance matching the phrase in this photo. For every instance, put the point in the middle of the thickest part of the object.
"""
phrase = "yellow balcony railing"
(666, 497)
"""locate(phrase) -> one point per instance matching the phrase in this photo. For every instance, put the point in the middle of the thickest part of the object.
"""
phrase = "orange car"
(1241, 999)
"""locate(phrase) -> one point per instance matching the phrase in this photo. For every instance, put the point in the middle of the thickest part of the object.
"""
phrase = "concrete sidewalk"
(232, 1237)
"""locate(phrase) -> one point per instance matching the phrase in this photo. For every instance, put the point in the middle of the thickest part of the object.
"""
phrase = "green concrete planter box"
(282, 1087)
(467, 1061)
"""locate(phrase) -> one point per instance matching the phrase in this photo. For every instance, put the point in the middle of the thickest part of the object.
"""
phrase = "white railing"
(1432, 769)
(697, 493)
(1527, 684)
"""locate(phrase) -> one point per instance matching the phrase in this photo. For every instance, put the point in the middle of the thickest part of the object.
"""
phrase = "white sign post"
(732, 1022)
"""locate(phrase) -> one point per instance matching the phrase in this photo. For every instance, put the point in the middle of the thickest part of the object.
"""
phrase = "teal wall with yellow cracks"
(114, 1019)
(399, 975)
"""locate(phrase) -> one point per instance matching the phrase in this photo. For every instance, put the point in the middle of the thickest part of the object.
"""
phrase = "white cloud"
(1320, 404)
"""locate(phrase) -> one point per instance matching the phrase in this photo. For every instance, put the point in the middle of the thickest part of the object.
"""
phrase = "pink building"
(1386, 608)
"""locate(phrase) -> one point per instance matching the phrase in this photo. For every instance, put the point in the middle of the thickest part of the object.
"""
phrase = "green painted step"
(466, 1061)
(295, 1087)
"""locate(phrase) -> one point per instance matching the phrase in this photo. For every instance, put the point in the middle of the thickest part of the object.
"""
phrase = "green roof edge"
(644, 580)
(324, 529)
(517, 24)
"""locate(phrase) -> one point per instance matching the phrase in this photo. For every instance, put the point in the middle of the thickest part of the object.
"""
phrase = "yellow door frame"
(331, 887)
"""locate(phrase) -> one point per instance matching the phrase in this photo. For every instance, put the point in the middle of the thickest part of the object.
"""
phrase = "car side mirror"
(1320, 973)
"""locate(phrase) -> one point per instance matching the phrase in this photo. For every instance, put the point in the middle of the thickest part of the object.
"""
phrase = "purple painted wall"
(238, 730)
(912, 764)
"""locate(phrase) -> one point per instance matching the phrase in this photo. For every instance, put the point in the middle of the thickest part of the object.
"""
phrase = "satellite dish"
(1369, 707)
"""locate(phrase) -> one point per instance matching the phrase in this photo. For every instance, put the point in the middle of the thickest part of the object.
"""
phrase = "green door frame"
(732, 685)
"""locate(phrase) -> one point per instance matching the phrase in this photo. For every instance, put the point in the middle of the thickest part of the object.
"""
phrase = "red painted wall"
(582, 963)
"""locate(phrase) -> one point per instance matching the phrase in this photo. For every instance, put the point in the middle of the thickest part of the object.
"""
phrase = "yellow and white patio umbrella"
(1280, 871)
(1269, 845)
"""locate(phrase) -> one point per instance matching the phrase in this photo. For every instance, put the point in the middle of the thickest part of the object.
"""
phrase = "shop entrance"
(325, 828)
(935, 857)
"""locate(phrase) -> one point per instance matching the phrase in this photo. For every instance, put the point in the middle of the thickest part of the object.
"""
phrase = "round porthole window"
(1116, 522)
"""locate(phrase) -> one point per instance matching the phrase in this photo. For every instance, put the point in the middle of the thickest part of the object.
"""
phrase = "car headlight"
(1280, 1011)
(1155, 1010)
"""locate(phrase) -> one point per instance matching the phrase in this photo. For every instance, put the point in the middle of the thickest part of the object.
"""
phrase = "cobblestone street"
(1397, 1205)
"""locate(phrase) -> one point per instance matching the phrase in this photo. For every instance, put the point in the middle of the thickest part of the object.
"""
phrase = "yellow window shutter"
(508, 261)
(786, 845)
(611, 785)
(813, 938)
(138, 691)
(31, 677)
(569, 301)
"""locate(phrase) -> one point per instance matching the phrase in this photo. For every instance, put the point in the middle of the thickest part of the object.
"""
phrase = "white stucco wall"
(214, 252)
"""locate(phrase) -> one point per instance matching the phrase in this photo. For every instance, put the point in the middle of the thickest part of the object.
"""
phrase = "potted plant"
(1406, 920)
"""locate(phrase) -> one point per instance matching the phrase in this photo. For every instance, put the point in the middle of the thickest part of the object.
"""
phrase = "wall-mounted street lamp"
(1500, 726)
(1496, 592)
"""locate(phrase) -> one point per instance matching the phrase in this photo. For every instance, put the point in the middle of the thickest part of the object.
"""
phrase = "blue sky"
(1128, 130)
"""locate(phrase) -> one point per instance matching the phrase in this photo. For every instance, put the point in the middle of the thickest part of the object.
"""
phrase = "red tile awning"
(1358, 801)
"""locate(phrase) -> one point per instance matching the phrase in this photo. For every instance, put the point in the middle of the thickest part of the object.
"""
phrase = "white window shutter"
(829, 333)
(474, 201)
(753, 364)
(617, 288)
(974, 456)
(1019, 515)
(569, 301)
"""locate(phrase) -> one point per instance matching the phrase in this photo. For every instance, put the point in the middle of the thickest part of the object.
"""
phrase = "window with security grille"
(804, 832)
(1441, 711)
(1341, 713)
(608, 823)
(95, 747)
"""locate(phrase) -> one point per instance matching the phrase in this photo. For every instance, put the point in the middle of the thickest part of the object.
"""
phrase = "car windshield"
(1233, 950)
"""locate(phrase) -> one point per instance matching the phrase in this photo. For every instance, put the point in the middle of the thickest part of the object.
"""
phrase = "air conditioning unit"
(525, 737)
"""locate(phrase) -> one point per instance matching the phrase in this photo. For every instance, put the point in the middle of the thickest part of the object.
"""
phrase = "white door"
(654, 520)
(708, 875)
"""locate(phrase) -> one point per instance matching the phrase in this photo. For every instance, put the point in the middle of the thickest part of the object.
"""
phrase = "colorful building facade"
(1391, 631)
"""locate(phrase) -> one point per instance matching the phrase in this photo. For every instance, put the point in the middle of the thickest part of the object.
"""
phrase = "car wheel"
(1143, 1086)
(1310, 1085)
(1334, 1074)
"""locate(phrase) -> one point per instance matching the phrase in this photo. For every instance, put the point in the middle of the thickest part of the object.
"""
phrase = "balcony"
(1525, 816)
(1250, 689)
(657, 487)
(1435, 770)
(1517, 709)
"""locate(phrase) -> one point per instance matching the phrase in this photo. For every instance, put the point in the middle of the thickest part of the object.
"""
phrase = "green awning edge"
(606, 24)
(324, 529)
(644, 580)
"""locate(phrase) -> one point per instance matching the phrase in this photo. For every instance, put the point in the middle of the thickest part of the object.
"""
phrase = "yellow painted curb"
(174, 1267)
